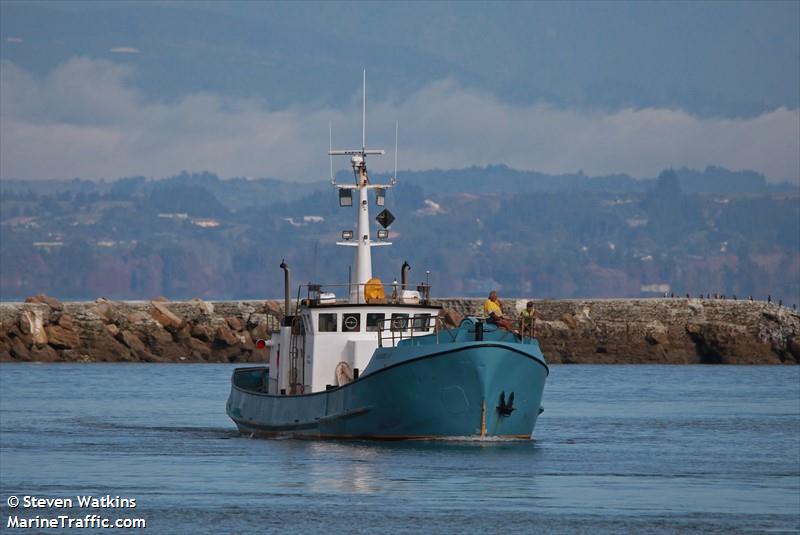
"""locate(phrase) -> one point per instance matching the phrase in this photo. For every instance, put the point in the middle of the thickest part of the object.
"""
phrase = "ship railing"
(369, 293)
(527, 329)
(523, 329)
(392, 331)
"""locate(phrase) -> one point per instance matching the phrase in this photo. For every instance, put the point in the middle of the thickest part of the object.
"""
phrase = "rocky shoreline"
(591, 331)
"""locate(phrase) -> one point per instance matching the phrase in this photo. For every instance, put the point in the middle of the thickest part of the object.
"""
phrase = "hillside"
(523, 233)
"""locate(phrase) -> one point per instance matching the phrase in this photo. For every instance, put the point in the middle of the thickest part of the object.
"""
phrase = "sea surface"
(650, 449)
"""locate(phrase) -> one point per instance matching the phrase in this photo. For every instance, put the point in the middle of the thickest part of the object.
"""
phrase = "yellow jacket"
(490, 306)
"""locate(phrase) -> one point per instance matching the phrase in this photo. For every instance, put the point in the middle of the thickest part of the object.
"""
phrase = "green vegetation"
(526, 234)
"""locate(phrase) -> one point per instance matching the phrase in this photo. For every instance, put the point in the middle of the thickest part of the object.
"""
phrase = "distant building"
(178, 215)
(658, 288)
(205, 223)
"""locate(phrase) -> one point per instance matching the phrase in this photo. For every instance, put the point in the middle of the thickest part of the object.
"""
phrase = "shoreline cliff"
(586, 331)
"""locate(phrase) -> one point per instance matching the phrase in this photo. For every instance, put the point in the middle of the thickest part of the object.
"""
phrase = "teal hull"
(432, 391)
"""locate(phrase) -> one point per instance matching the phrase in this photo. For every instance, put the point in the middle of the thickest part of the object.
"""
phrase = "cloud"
(15, 40)
(124, 50)
(87, 118)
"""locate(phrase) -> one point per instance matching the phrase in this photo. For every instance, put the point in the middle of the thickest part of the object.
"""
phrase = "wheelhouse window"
(399, 322)
(421, 322)
(373, 320)
(327, 322)
(351, 323)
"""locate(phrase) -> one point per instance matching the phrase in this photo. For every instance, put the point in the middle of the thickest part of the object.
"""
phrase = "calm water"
(618, 449)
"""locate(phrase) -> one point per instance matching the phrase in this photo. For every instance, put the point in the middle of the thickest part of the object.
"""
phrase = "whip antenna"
(396, 128)
(330, 149)
(364, 115)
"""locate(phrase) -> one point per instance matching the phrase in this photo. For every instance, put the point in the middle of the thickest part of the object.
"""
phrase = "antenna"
(330, 149)
(396, 128)
(364, 115)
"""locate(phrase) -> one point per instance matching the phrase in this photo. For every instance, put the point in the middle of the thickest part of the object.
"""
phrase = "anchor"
(505, 409)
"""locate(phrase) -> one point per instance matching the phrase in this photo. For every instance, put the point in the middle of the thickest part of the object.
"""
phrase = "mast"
(362, 240)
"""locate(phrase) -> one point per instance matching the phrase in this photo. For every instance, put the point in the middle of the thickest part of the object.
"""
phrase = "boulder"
(184, 333)
(18, 349)
(203, 332)
(158, 341)
(62, 338)
(112, 329)
(246, 341)
(256, 319)
(165, 317)
(259, 326)
(171, 352)
(205, 307)
(234, 323)
(197, 349)
(44, 354)
(99, 345)
(152, 334)
(132, 341)
(52, 302)
(107, 311)
(225, 336)
(146, 356)
(25, 338)
(65, 320)
(31, 322)
(794, 347)
(693, 328)
(73, 355)
(569, 320)
(137, 317)
(274, 309)
(656, 333)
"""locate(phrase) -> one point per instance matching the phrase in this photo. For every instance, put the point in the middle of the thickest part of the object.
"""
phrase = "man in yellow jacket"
(493, 310)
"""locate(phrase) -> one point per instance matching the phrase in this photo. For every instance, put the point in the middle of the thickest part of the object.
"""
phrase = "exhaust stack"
(404, 274)
(286, 285)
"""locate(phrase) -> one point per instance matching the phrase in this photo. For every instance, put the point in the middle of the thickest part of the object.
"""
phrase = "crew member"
(493, 310)
(528, 317)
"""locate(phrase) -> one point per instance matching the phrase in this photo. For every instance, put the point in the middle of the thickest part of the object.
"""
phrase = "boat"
(368, 360)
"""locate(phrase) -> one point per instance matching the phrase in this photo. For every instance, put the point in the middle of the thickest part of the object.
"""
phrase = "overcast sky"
(97, 90)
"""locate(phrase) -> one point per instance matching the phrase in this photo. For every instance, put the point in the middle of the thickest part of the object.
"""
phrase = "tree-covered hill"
(524, 233)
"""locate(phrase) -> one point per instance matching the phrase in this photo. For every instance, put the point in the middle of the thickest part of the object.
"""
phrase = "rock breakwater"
(674, 331)
(666, 331)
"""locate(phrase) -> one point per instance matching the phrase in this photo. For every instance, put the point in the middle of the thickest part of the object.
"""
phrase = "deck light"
(345, 197)
(347, 234)
(380, 196)
(383, 234)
